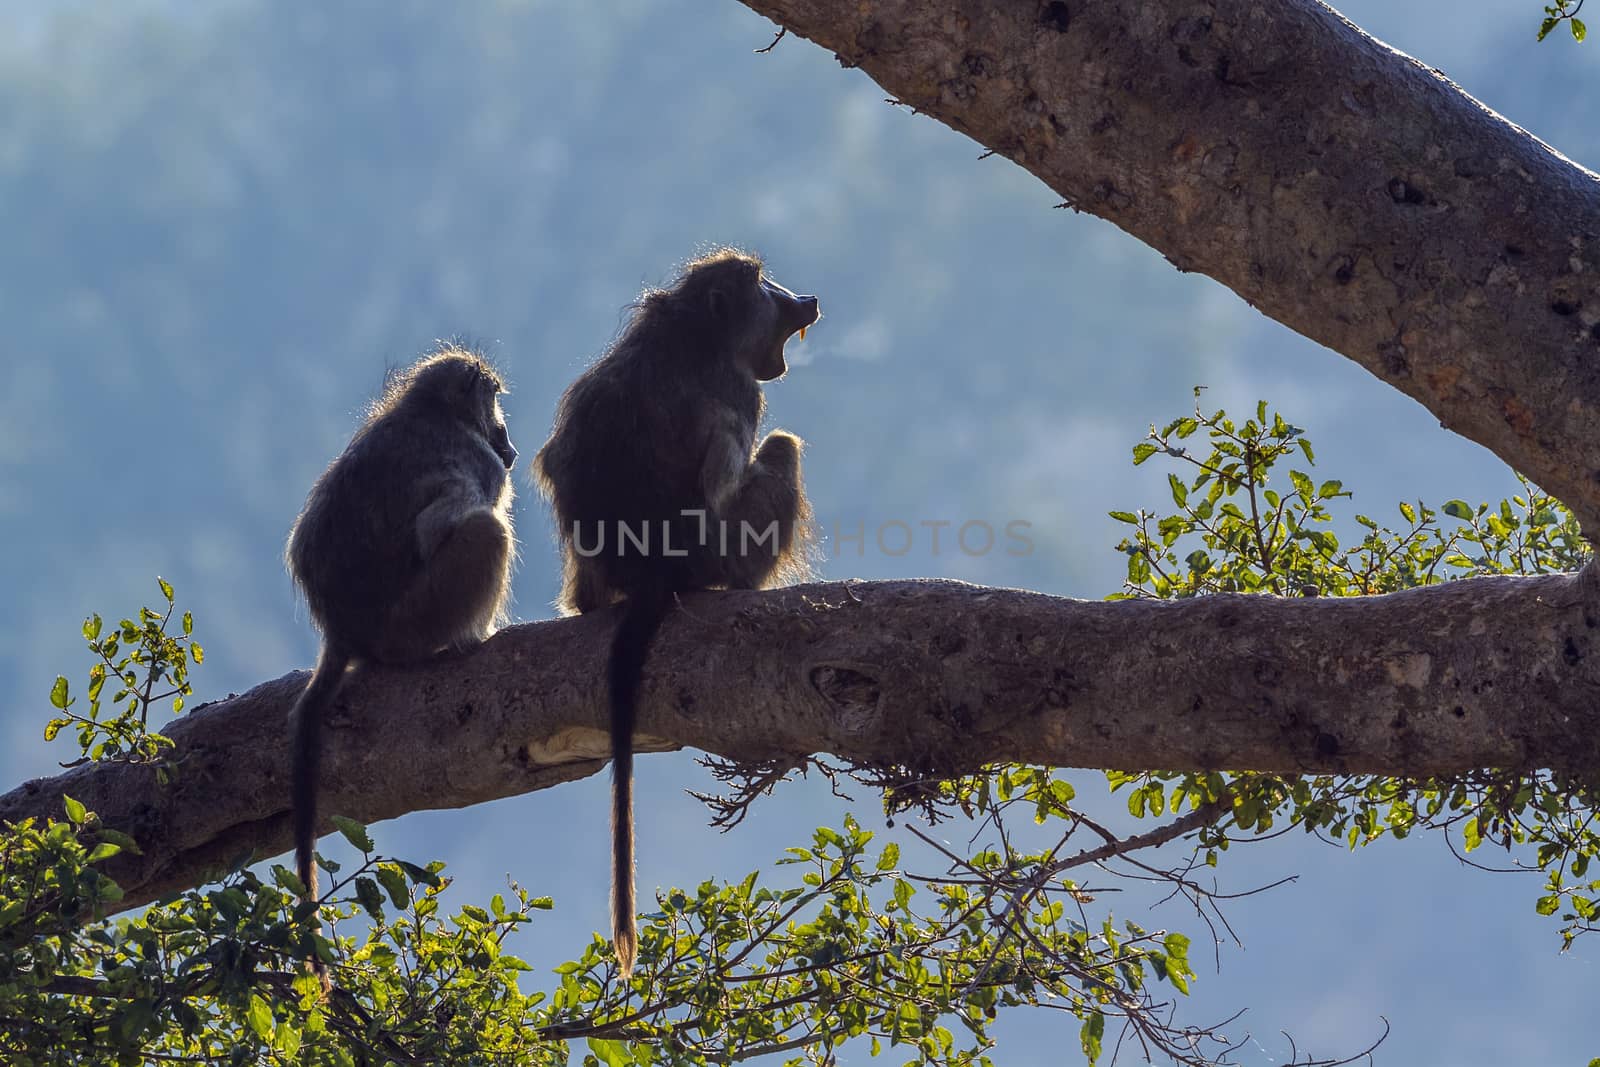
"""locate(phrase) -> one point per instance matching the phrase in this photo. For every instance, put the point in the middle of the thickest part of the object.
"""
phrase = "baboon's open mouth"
(804, 312)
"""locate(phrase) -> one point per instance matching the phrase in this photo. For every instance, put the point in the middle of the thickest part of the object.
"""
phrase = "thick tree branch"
(1341, 187)
(937, 676)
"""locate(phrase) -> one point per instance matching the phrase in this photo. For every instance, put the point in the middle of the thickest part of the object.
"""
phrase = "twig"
(782, 32)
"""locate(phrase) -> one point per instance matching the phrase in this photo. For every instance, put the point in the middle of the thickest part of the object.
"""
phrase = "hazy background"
(221, 223)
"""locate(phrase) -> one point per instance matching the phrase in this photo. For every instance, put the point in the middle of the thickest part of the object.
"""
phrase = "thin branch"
(782, 32)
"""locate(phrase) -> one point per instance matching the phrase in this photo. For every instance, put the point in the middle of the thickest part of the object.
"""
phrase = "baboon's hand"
(780, 452)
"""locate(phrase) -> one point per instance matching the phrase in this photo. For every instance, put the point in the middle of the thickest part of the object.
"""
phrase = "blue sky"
(222, 225)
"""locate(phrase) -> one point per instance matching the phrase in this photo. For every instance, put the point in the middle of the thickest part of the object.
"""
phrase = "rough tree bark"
(1341, 187)
(936, 676)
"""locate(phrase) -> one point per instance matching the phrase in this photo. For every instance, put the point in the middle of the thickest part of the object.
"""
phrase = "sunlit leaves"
(216, 975)
(1091, 1034)
(1563, 11)
(148, 665)
(1260, 535)
(353, 832)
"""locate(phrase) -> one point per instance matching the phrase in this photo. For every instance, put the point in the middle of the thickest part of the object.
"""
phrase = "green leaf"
(394, 883)
(121, 840)
(1093, 1029)
(259, 1016)
(58, 693)
(1470, 833)
(890, 857)
(420, 875)
(1579, 30)
(231, 903)
(91, 628)
(1408, 511)
(1177, 946)
(104, 850)
(76, 812)
(166, 588)
(1125, 516)
(1547, 905)
(370, 897)
(1143, 451)
(132, 1020)
(287, 1041)
(1546, 26)
(1457, 509)
(1063, 793)
(1180, 492)
(287, 880)
(610, 1053)
(353, 832)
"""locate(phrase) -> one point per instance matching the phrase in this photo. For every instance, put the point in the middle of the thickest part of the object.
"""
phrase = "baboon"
(404, 547)
(658, 489)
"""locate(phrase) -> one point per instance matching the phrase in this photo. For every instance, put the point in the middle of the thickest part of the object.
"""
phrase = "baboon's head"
(755, 313)
(462, 383)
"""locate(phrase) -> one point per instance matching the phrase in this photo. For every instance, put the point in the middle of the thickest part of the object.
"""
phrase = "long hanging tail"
(642, 617)
(306, 765)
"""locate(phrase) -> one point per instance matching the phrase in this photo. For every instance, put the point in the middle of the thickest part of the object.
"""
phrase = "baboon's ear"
(464, 386)
(718, 302)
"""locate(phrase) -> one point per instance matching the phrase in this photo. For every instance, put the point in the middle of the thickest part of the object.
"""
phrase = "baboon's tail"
(642, 616)
(306, 763)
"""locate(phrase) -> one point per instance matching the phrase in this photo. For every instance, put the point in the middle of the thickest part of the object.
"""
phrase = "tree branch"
(1339, 186)
(940, 677)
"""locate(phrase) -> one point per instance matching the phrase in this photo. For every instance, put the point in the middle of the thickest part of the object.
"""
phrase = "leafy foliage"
(148, 665)
(1563, 11)
(1233, 529)
(215, 976)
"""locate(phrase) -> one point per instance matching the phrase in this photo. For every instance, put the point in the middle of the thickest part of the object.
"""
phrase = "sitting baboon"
(658, 487)
(404, 547)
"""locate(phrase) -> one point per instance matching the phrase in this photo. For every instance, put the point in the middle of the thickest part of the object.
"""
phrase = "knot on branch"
(853, 695)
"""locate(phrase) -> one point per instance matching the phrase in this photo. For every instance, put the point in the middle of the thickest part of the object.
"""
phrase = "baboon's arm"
(440, 517)
(727, 461)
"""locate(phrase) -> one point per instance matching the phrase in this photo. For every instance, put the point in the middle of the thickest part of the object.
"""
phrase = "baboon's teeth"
(803, 332)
